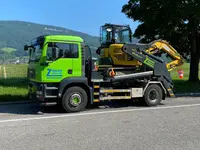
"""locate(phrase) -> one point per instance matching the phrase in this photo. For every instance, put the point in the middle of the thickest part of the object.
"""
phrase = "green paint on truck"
(44, 66)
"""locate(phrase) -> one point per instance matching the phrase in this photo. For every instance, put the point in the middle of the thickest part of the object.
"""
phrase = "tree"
(176, 21)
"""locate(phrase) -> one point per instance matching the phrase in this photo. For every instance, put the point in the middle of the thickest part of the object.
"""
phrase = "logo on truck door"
(54, 74)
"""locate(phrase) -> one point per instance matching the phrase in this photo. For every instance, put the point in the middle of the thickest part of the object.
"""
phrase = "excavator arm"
(163, 50)
(159, 48)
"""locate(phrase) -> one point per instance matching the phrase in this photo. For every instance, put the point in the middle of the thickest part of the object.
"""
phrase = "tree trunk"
(194, 67)
(194, 62)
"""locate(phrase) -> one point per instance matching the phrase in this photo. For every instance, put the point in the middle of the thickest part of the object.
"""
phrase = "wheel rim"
(153, 95)
(75, 100)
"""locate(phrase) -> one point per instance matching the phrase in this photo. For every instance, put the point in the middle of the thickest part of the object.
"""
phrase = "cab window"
(63, 50)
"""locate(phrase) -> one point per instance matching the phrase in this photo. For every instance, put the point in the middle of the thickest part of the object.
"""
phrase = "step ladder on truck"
(63, 73)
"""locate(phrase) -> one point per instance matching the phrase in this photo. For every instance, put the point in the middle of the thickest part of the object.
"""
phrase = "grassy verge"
(186, 87)
(182, 85)
(19, 94)
(14, 87)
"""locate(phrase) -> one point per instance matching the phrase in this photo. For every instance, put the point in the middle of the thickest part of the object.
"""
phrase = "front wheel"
(74, 100)
(153, 95)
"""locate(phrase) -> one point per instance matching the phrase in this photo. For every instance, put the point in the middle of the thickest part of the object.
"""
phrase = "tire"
(78, 103)
(153, 95)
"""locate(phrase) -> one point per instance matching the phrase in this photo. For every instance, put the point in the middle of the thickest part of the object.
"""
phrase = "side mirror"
(26, 47)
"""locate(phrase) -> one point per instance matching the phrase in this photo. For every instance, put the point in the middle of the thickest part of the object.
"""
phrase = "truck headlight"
(40, 90)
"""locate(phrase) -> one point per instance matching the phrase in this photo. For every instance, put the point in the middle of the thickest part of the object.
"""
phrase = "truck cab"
(56, 61)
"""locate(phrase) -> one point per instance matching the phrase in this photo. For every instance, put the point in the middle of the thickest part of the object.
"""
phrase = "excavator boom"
(166, 52)
(158, 48)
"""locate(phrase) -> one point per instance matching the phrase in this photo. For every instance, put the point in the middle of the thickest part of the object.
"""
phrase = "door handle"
(69, 71)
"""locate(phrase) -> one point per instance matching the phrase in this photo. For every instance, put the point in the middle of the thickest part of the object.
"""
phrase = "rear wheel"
(153, 95)
(74, 100)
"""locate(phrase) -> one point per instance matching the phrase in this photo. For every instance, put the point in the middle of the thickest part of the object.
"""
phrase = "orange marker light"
(112, 73)
(95, 67)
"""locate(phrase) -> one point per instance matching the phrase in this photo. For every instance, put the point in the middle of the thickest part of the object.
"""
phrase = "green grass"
(14, 87)
(8, 49)
(182, 85)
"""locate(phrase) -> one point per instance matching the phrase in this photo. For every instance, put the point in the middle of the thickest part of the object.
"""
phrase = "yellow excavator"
(112, 39)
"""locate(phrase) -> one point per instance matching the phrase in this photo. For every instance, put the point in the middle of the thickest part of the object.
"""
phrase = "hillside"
(15, 34)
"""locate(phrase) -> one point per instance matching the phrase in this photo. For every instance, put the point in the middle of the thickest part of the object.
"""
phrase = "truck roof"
(64, 38)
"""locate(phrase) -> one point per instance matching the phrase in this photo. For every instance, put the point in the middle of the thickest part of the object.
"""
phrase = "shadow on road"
(34, 109)
(29, 109)
(23, 109)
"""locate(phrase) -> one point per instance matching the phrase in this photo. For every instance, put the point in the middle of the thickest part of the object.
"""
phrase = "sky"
(81, 15)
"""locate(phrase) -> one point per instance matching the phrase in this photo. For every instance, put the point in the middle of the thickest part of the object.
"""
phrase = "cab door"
(59, 62)
(76, 55)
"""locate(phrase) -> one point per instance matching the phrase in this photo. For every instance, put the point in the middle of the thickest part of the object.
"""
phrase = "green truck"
(61, 70)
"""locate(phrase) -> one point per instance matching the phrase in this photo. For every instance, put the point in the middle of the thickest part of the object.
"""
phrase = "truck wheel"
(74, 100)
(153, 95)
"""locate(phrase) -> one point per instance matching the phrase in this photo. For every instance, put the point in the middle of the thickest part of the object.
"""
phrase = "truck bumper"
(38, 93)
(35, 93)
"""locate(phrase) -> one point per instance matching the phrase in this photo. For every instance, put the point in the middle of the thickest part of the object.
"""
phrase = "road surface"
(173, 125)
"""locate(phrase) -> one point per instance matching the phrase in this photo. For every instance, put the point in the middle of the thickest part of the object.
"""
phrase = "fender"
(74, 80)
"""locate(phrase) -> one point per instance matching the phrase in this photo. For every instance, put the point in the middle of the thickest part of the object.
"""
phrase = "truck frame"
(60, 70)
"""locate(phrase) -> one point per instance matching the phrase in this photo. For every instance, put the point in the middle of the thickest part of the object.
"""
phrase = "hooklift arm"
(155, 64)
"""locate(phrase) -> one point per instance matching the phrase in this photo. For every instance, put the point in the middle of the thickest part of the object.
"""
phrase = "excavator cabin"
(115, 34)
(112, 38)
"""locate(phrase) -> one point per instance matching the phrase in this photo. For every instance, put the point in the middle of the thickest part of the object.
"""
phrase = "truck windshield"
(35, 53)
(115, 34)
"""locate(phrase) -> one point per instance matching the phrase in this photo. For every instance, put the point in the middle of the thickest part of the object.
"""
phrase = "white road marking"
(96, 113)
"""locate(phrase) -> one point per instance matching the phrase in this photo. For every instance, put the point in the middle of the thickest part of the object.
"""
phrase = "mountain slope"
(15, 34)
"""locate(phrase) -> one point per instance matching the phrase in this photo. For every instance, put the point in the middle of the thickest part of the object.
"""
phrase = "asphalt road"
(173, 125)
